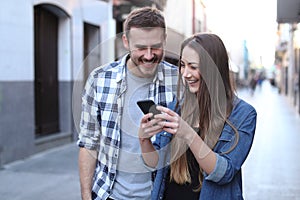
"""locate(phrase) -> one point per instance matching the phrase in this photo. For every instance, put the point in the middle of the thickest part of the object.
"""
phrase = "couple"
(202, 137)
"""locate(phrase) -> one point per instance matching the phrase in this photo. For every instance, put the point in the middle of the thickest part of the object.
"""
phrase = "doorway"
(46, 71)
(92, 49)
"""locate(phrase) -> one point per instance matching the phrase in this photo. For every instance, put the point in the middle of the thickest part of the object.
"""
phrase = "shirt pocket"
(226, 140)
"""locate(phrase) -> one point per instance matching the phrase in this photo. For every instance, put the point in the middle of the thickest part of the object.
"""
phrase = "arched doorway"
(46, 69)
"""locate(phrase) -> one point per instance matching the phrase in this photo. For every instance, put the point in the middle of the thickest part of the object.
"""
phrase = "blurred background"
(49, 47)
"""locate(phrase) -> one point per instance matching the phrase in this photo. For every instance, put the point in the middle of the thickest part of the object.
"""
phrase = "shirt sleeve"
(219, 170)
(229, 164)
(89, 133)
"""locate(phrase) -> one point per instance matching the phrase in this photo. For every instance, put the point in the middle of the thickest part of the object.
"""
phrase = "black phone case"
(148, 106)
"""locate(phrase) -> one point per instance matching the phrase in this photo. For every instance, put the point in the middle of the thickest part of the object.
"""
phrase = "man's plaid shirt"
(102, 106)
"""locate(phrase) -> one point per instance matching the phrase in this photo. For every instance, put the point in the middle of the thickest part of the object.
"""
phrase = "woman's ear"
(125, 41)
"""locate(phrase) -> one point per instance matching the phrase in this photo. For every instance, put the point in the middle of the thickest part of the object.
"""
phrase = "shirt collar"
(122, 69)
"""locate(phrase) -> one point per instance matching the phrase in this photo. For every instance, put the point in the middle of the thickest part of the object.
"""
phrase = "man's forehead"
(143, 29)
(146, 37)
(144, 33)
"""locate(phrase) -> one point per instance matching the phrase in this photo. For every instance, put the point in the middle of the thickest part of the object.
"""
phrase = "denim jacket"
(225, 181)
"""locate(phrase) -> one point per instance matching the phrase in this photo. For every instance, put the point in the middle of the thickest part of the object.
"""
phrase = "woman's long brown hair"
(210, 107)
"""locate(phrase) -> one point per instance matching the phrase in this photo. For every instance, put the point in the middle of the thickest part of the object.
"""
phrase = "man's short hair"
(145, 17)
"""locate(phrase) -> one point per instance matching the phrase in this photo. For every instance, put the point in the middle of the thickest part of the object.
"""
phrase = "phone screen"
(148, 106)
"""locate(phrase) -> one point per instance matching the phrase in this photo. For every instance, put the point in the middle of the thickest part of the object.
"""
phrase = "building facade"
(43, 51)
(287, 55)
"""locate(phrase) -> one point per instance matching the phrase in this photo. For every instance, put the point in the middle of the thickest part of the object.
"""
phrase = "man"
(110, 162)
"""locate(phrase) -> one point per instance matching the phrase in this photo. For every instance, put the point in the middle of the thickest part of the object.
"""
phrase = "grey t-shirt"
(133, 180)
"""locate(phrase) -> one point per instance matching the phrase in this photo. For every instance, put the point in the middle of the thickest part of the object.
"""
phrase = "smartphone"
(148, 106)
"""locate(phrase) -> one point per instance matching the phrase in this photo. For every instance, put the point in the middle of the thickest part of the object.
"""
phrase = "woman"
(200, 154)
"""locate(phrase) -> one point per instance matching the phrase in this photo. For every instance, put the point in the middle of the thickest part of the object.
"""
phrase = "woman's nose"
(186, 72)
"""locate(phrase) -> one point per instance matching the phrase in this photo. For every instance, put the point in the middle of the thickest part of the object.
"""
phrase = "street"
(272, 170)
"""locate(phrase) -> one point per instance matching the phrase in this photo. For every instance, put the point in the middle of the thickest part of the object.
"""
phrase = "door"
(46, 67)
(92, 50)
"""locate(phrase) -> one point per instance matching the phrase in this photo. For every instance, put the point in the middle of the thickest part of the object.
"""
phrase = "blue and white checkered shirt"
(102, 106)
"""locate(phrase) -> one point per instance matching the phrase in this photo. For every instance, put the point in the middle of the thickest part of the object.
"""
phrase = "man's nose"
(149, 53)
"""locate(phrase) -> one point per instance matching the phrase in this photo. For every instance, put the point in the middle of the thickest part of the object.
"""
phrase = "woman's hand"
(174, 124)
(149, 128)
(146, 131)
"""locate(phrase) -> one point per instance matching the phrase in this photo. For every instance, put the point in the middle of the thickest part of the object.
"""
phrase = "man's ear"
(125, 41)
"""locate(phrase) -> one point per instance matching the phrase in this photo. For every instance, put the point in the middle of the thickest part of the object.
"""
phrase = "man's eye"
(156, 47)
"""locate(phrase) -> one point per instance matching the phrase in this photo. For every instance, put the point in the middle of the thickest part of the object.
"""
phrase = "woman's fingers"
(167, 121)
(166, 110)
(148, 127)
(146, 117)
(170, 130)
(169, 124)
(166, 117)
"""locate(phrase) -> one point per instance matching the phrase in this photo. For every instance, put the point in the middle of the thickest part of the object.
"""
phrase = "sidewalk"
(272, 170)
(50, 175)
